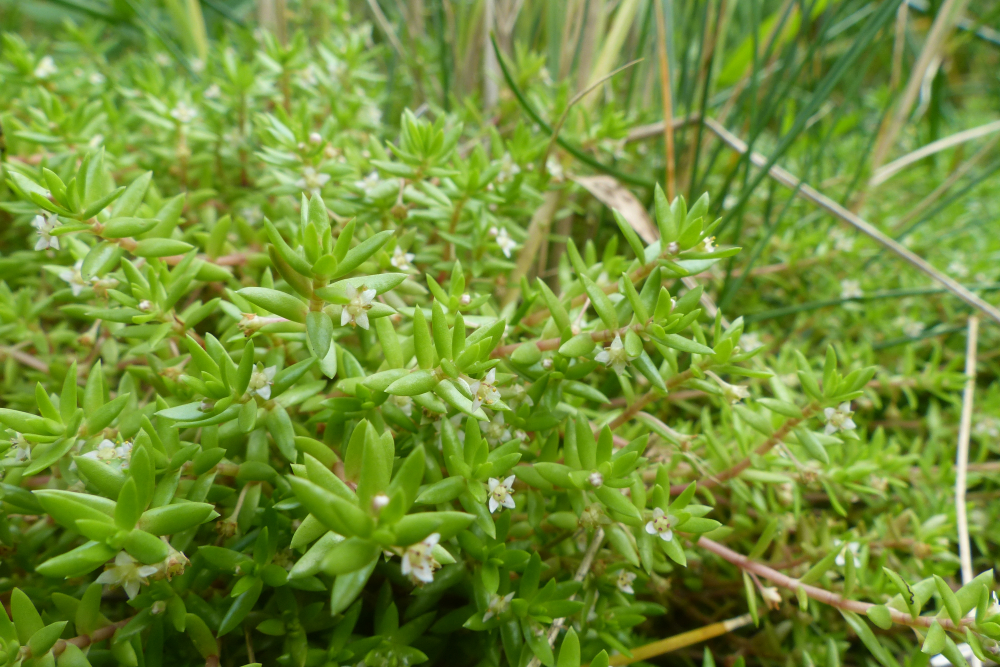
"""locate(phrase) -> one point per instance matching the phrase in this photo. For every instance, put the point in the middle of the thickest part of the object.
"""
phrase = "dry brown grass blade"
(953, 178)
(615, 196)
(643, 132)
(947, 17)
(830, 206)
(883, 174)
(576, 98)
(541, 221)
(962, 462)
(682, 640)
(668, 103)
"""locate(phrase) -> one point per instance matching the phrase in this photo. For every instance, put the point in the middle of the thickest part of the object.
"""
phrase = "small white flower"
(252, 214)
(355, 312)
(418, 560)
(596, 479)
(483, 391)
(555, 170)
(842, 242)
(624, 581)
(183, 113)
(145, 305)
(315, 138)
(45, 227)
(261, 381)
(173, 565)
(465, 299)
(496, 431)
(730, 201)
(162, 59)
(74, 278)
(379, 502)
(404, 403)
(853, 548)
(661, 525)
(839, 419)
(21, 448)
(123, 453)
(197, 65)
(213, 92)
(750, 342)
(987, 427)
(497, 606)
(369, 182)
(506, 243)
(105, 451)
(96, 79)
(508, 169)
(707, 244)
(614, 356)
(958, 269)
(46, 67)
(910, 327)
(127, 573)
(501, 494)
(312, 180)
(850, 289)
(771, 596)
(734, 393)
(401, 259)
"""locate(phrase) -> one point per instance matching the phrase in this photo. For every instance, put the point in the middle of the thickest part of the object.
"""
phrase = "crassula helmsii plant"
(278, 390)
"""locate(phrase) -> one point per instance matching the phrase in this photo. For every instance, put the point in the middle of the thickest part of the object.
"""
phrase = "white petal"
(270, 372)
(493, 504)
(362, 320)
(509, 482)
(602, 357)
(488, 615)
(830, 429)
(829, 412)
(508, 502)
(849, 424)
(264, 392)
(658, 512)
(406, 564)
(476, 404)
(845, 407)
(492, 483)
(108, 577)
(131, 588)
(54, 242)
(147, 571)
(345, 316)
(491, 376)
(433, 539)
(667, 535)
(41, 243)
(627, 589)
(650, 528)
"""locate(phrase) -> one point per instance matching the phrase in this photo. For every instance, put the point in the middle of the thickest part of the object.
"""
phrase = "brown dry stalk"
(683, 640)
(762, 449)
(821, 594)
(962, 463)
(830, 206)
(83, 641)
(667, 95)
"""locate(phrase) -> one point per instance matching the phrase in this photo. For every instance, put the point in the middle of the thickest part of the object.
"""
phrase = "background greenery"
(832, 91)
